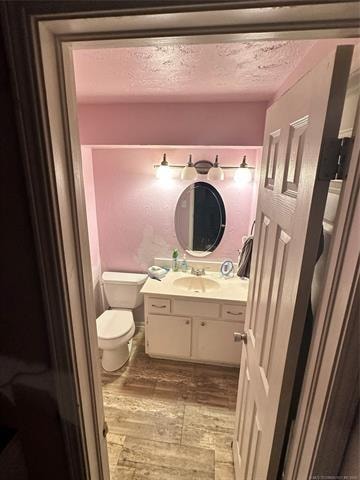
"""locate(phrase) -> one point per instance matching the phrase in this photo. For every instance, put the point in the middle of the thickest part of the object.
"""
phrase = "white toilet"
(116, 327)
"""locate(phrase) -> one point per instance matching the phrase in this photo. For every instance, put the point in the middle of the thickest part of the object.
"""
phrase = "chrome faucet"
(198, 272)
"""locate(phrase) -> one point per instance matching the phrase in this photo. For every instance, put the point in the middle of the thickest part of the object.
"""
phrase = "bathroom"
(170, 389)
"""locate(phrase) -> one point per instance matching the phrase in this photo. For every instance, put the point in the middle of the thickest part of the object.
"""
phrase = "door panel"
(272, 157)
(292, 196)
(168, 335)
(294, 154)
(250, 429)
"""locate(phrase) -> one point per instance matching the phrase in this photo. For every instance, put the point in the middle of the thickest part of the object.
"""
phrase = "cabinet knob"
(203, 324)
(187, 322)
(240, 337)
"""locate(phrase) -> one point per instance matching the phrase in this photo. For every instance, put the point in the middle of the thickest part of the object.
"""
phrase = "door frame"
(39, 37)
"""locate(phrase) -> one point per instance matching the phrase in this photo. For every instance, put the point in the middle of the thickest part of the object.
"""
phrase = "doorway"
(75, 241)
(122, 458)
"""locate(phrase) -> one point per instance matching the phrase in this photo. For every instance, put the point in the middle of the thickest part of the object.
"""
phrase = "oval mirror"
(200, 219)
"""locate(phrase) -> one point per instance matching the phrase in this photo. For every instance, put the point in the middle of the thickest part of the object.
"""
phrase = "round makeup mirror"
(200, 219)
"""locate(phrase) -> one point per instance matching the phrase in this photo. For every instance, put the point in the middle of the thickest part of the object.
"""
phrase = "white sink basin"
(196, 284)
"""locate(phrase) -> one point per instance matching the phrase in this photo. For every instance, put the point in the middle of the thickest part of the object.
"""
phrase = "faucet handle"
(197, 271)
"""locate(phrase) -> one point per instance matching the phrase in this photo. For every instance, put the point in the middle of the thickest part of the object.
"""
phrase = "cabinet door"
(168, 335)
(215, 341)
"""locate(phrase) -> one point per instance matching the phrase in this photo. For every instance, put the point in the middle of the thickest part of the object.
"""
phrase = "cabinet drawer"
(201, 309)
(159, 305)
(233, 312)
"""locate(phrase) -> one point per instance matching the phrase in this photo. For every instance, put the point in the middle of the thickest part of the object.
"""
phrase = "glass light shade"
(188, 173)
(216, 174)
(163, 172)
(243, 175)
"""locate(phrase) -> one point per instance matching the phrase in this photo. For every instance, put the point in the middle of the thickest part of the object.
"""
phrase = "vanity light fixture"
(189, 172)
(163, 171)
(243, 173)
(216, 173)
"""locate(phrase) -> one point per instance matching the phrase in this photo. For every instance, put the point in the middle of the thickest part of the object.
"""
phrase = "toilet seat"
(114, 324)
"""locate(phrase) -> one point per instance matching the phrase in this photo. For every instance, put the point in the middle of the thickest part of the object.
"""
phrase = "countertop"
(232, 289)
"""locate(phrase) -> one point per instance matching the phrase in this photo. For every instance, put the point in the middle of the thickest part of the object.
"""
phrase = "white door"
(168, 335)
(297, 157)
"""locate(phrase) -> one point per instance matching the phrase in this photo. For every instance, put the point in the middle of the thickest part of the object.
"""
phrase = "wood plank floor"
(169, 420)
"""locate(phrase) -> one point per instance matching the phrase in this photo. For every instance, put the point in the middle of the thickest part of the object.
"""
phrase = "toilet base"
(114, 359)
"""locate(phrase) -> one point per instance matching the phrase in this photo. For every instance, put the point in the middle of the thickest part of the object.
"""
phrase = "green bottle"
(175, 264)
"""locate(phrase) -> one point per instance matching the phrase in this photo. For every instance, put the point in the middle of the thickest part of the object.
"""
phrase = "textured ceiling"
(246, 71)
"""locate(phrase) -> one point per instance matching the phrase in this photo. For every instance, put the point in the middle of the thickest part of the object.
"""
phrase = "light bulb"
(189, 171)
(216, 173)
(242, 175)
(163, 172)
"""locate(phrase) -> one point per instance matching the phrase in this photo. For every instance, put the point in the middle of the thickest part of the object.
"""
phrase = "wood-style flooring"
(169, 420)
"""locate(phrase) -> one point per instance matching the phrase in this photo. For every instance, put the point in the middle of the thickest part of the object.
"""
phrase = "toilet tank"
(122, 290)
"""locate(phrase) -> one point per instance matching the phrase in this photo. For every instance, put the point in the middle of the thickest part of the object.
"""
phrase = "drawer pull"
(233, 313)
(158, 306)
(203, 324)
(187, 322)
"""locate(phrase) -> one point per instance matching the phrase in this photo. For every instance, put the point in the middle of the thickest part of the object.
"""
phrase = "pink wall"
(172, 123)
(135, 211)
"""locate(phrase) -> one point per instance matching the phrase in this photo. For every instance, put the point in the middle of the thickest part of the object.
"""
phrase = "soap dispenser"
(184, 265)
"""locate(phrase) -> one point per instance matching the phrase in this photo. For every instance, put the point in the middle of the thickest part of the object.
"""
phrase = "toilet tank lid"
(124, 278)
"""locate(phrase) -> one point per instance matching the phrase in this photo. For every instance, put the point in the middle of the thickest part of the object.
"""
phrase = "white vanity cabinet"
(194, 330)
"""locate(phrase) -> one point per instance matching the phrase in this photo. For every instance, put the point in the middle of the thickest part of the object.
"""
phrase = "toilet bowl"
(115, 329)
(116, 326)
